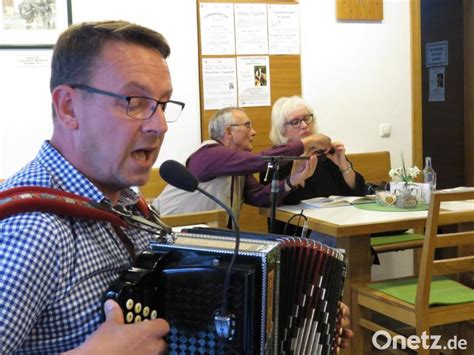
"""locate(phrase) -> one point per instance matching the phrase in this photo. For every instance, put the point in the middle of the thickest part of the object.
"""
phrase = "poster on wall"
(283, 29)
(33, 23)
(254, 81)
(251, 28)
(437, 54)
(219, 78)
(437, 84)
(217, 28)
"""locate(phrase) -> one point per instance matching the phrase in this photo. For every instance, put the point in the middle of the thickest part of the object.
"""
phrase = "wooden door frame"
(416, 82)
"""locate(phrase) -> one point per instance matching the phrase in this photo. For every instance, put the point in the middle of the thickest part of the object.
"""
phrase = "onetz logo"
(382, 340)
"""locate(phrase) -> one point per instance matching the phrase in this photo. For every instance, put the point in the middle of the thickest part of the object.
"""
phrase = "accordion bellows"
(283, 294)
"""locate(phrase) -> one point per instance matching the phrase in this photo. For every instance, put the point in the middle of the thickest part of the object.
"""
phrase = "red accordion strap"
(44, 199)
(143, 206)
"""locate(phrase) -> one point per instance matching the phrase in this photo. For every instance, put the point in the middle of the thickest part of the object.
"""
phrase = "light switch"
(385, 129)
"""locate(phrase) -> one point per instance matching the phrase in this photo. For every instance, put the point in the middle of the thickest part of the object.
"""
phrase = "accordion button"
(138, 307)
(154, 314)
(138, 319)
(129, 304)
(129, 317)
(146, 311)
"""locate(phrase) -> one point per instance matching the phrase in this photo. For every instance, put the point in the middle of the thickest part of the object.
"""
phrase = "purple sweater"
(214, 160)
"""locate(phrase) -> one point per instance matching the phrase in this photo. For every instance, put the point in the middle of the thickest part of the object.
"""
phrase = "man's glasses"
(296, 122)
(247, 125)
(141, 107)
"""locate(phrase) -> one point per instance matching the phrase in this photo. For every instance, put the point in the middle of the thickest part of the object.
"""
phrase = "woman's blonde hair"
(282, 109)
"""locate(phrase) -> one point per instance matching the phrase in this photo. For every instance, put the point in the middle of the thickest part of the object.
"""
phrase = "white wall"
(25, 119)
(357, 74)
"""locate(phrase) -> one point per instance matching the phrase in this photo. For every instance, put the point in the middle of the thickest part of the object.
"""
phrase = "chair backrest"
(213, 218)
(436, 239)
(374, 166)
(154, 186)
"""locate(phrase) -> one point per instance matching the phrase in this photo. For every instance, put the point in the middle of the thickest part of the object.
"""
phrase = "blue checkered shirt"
(54, 269)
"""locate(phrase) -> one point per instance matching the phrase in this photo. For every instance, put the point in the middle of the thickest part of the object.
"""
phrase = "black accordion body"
(283, 293)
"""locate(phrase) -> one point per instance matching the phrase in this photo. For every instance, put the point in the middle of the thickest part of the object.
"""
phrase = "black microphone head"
(178, 176)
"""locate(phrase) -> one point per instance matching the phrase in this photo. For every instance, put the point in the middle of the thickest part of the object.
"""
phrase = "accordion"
(283, 293)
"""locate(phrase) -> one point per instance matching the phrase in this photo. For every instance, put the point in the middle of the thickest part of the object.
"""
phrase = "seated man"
(224, 166)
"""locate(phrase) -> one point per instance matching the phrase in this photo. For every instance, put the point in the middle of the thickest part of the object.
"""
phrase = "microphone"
(178, 176)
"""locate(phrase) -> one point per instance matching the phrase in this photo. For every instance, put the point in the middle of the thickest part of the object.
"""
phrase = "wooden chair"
(213, 218)
(374, 166)
(415, 309)
(154, 186)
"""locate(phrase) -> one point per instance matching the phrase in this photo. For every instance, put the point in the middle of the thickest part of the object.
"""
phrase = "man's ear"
(228, 131)
(63, 101)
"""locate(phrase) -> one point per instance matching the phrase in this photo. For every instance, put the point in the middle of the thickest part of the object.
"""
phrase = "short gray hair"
(282, 109)
(219, 121)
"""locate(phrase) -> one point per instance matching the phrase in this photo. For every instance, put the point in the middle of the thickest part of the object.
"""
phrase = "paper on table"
(335, 201)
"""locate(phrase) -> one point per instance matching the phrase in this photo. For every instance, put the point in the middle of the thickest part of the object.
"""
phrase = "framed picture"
(33, 23)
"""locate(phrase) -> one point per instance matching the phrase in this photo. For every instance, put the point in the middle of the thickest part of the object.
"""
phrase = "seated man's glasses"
(141, 107)
(247, 125)
(296, 122)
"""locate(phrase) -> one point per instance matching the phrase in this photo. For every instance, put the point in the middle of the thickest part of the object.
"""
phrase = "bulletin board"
(285, 80)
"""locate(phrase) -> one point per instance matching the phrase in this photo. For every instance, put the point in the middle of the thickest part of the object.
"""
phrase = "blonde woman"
(292, 119)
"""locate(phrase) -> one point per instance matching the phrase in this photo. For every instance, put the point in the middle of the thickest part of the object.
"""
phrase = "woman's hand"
(339, 156)
(302, 169)
(345, 167)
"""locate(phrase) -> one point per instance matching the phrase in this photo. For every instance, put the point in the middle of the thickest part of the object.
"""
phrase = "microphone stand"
(274, 162)
(224, 321)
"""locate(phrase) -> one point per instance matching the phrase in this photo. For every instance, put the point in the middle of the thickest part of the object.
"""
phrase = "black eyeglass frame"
(163, 104)
(296, 122)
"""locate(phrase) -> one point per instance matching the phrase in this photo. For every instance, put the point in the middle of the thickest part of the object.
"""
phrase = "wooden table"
(352, 228)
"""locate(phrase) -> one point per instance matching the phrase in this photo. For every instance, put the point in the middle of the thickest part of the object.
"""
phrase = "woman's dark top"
(327, 180)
